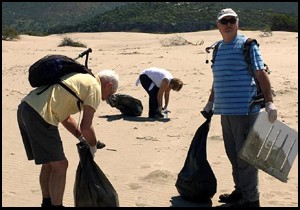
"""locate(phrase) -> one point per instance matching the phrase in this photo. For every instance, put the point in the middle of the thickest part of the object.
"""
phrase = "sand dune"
(143, 157)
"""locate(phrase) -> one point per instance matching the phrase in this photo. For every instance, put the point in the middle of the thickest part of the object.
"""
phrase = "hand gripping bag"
(92, 188)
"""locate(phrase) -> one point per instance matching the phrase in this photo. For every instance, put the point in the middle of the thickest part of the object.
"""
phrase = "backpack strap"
(72, 92)
(259, 99)
(246, 50)
(68, 89)
(44, 89)
(215, 50)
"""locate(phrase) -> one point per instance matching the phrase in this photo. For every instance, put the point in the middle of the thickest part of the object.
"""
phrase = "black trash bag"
(92, 188)
(128, 105)
(196, 180)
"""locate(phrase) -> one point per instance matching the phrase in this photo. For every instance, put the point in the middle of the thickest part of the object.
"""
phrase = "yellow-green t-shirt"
(56, 103)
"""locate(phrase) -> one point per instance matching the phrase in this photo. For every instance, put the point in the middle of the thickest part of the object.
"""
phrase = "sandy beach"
(142, 157)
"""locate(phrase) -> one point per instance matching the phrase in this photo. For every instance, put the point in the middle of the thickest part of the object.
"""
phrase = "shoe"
(100, 145)
(245, 203)
(230, 198)
(45, 205)
(157, 116)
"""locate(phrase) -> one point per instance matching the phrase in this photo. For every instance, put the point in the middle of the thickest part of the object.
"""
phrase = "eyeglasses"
(226, 21)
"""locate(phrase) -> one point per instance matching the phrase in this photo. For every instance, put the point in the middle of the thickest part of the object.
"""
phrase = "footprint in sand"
(8, 194)
(147, 138)
(268, 196)
(216, 138)
(146, 166)
(159, 177)
(134, 186)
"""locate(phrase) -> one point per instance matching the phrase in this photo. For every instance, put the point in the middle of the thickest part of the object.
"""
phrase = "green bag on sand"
(92, 188)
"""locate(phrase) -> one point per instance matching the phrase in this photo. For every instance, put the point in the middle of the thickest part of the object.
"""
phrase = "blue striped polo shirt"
(234, 87)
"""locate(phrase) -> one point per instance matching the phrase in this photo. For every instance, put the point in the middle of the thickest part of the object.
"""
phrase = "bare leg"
(57, 181)
(44, 180)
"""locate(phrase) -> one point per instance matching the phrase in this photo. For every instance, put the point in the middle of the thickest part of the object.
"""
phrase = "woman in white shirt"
(158, 82)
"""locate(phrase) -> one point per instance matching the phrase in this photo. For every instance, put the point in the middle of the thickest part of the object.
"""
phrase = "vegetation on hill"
(42, 18)
(36, 18)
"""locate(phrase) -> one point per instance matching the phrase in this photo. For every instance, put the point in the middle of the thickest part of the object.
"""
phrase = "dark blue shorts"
(41, 140)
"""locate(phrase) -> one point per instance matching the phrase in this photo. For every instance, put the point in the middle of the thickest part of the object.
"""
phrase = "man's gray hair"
(110, 76)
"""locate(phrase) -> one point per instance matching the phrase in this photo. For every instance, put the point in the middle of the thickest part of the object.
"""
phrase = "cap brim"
(227, 15)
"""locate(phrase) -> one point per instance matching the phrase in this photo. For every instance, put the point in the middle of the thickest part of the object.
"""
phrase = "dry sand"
(143, 157)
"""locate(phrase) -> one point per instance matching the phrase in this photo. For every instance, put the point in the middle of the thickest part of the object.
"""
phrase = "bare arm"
(71, 125)
(265, 85)
(167, 96)
(86, 129)
(162, 89)
(86, 126)
(212, 95)
(210, 103)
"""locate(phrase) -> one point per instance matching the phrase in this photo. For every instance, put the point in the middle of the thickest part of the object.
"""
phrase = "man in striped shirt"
(232, 91)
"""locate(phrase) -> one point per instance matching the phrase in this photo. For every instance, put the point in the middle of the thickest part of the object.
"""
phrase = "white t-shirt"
(157, 75)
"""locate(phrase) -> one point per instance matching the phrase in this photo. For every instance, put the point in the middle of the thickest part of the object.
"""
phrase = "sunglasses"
(226, 21)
